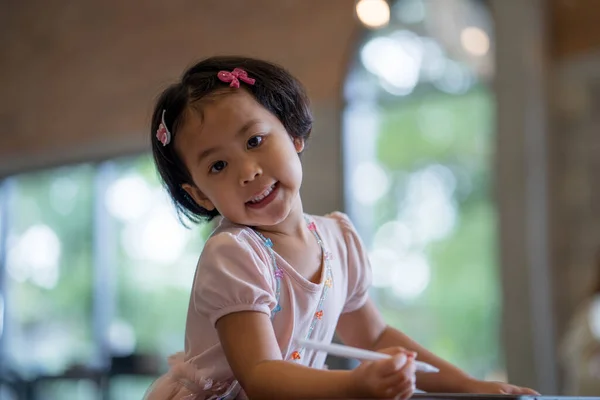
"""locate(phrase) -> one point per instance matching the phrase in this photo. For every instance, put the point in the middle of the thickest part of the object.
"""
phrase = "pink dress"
(238, 271)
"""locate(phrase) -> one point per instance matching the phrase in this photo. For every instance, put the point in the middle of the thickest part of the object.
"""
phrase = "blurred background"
(457, 134)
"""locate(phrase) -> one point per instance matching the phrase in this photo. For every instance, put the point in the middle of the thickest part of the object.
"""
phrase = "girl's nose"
(249, 172)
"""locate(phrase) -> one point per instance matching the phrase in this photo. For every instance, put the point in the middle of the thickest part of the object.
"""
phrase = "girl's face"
(242, 160)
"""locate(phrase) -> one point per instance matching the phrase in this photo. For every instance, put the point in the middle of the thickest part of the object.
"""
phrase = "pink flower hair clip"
(235, 77)
(162, 134)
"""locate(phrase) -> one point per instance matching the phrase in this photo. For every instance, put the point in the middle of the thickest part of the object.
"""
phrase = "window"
(418, 134)
(48, 271)
(156, 259)
(98, 275)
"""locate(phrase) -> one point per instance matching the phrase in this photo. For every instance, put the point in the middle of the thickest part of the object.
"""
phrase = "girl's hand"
(391, 378)
(476, 386)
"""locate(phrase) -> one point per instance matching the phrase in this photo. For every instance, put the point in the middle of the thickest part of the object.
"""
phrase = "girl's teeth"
(262, 196)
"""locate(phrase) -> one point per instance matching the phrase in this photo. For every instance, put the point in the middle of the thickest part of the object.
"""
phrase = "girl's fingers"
(523, 390)
(392, 351)
(396, 381)
(406, 393)
(409, 368)
(391, 366)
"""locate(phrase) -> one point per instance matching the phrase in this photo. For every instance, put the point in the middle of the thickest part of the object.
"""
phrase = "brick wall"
(78, 78)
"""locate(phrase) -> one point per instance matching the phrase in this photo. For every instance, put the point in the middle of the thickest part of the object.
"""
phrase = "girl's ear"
(199, 197)
(298, 144)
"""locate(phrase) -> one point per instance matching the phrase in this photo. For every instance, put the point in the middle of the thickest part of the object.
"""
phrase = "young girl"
(227, 141)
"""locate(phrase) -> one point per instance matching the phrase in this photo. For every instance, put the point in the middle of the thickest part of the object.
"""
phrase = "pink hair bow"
(235, 77)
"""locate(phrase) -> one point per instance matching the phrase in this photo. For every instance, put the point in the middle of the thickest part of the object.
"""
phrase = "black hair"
(275, 89)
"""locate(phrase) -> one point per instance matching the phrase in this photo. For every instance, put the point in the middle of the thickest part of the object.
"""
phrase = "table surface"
(467, 396)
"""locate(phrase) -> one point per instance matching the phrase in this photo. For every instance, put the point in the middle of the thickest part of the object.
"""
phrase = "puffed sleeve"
(359, 267)
(233, 275)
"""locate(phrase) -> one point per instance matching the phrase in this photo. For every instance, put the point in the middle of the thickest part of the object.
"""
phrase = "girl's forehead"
(221, 116)
(230, 109)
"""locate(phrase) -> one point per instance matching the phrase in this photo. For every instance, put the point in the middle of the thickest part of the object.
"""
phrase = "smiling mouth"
(263, 195)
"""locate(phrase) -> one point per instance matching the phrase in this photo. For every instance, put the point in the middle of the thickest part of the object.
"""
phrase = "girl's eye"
(255, 141)
(217, 167)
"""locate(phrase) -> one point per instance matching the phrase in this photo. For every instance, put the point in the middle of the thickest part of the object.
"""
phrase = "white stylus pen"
(359, 354)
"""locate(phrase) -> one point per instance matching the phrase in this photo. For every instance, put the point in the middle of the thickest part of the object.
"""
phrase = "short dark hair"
(275, 89)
